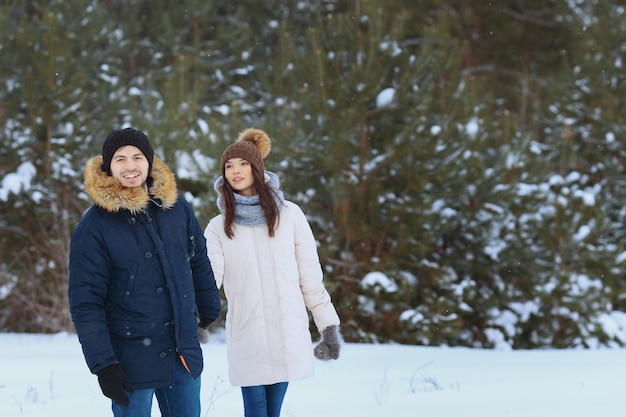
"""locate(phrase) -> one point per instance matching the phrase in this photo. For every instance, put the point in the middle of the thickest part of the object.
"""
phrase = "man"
(141, 288)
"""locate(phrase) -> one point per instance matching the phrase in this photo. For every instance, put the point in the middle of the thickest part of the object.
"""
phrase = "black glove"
(203, 329)
(113, 382)
(328, 347)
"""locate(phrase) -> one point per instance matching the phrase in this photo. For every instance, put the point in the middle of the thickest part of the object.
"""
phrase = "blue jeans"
(182, 399)
(263, 400)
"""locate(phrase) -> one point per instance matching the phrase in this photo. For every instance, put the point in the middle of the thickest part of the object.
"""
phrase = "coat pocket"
(233, 318)
(131, 329)
(123, 282)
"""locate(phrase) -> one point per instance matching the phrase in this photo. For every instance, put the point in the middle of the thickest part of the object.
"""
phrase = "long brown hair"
(267, 200)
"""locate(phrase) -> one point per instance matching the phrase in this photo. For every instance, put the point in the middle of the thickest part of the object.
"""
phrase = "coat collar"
(108, 193)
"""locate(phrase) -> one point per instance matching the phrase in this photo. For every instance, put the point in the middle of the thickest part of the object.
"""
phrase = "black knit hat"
(129, 136)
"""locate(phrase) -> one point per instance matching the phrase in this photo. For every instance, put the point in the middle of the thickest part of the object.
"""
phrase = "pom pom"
(259, 138)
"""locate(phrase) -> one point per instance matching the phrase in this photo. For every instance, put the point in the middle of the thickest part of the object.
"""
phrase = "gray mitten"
(328, 347)
(203, 329)
(203, 335)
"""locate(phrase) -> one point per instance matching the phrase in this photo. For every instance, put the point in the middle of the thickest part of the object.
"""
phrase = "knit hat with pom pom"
(253, 145)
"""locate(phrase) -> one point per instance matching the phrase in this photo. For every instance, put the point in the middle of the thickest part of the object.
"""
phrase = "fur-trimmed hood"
(108, 193)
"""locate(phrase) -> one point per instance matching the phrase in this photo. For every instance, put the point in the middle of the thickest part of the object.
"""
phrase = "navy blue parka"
(140, 278)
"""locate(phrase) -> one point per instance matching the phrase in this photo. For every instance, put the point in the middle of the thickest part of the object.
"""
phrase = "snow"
(385, 98)
(17, 181)
(582, 233)
(472, 127)
(378, 279)
(46, 376)
(191, 165)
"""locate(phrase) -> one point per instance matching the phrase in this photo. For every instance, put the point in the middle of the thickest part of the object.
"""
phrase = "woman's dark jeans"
(263, 400)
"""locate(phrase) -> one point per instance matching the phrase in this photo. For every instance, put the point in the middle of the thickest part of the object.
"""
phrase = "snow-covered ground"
(46, 376)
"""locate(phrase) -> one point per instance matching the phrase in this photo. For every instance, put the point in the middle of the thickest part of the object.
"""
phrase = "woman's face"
(238, 173)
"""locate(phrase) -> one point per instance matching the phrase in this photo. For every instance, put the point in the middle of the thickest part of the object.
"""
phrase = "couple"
(144, 279)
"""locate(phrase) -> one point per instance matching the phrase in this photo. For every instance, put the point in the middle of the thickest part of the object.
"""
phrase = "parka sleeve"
(89, 269)
(316, 297)
(206, 291)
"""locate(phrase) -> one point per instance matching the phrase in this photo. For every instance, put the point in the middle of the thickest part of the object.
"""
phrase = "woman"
(263, 251)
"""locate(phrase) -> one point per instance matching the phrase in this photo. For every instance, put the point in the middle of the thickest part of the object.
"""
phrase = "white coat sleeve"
(213, 236)
(316, 297)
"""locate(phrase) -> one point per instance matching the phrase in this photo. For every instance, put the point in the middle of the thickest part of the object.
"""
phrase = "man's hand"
(113, 383)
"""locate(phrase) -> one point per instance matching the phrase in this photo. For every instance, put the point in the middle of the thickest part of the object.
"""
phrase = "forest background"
(461, 162)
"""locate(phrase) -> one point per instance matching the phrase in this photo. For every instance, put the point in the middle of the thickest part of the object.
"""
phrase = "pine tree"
(461, 163)
(350, 154)
(50, 102)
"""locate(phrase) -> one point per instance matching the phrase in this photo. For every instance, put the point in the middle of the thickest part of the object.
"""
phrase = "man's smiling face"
(130, 166)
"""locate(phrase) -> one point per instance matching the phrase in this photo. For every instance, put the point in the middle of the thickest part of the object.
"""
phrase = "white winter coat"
(269, 282)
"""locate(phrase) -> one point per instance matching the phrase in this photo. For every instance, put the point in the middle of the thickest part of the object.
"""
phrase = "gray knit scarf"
(248, 211)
